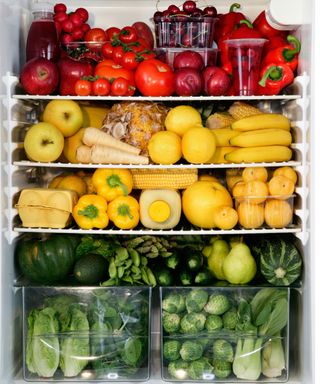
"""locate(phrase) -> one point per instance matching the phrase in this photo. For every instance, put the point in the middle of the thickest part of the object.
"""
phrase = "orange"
(256, 191)
(238, 191)
(233, 176)
(250, 215)
(288, 172)
(225, 217)
(278, 213)
(73, 183)
(281, 186)
(255, 173)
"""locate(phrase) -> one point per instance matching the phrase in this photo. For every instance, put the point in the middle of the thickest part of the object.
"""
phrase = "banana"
(262, 121)
(261, 137)
(93, 116)
(223, 135)
(219, 153)
(267, 154)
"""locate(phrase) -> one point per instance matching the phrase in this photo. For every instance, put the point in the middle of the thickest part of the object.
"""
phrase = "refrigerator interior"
(15, 18)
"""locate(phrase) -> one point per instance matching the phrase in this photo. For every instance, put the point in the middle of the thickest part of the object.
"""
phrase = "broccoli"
(196, 300)
(192, 323)
(178, 369)
(230, 319)
(171, 322)
(191, 350)
(221, 369)
(217, 304)
(222, 350)
(171, 349)
(200, 369)
(174, 303)
(213, 323)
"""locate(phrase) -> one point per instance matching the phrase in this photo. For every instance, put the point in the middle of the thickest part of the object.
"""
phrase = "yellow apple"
(43, 142)
(200, 200)
(71, 145)
(66, 115)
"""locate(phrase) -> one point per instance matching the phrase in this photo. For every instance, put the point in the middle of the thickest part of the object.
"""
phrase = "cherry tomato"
(139, 45)
(148, 55)
(94, 37)
(83, 87)
(154, 78)
(83, 13)
(109, 70)
(117, 54)
(128, 35)
(120, 86)
(101, 87)
(60, 7)
(112, 31)
(106, 50)
(129, 61)
(131, 90)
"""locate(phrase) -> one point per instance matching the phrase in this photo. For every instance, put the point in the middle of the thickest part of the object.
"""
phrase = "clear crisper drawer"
(224, 334)
(92, 334)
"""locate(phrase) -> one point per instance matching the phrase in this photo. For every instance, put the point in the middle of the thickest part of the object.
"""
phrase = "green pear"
(239, 265)
(220, 250)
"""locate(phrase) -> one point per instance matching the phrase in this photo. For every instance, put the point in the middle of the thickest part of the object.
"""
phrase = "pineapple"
(135, 122)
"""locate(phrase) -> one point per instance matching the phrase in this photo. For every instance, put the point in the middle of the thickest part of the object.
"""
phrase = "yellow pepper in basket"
(91, 212)
(111, 182)
(124, 212)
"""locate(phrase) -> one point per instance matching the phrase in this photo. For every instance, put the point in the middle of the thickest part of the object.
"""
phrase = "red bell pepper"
(287, 54)
(265, 28)
(274, 78)
(243, 30)
(227, 21)
(275, 42)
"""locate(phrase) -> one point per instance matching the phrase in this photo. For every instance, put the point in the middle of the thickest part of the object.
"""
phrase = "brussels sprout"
(192, 323)
(196, 300)
(178, 369)
(230, 319)
(221, 369)
(222, 350)
(174, 303)
(191, 350)
(198, 369)
(217, 304)
(171, 349)
(171, 322)
(213, 323)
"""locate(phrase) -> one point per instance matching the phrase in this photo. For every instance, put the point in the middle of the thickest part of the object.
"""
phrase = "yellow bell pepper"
(124, 212)
(111, 182)
(91, 212)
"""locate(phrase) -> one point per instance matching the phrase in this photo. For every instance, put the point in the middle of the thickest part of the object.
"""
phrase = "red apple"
(71, 71)
(188, 82)
(216, 81)
(144, 31)
(188, 59)
(39, 76)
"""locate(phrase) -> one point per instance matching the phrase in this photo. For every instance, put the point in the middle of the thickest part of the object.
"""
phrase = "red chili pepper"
(243, 30)
(227, 21)
(265, 28)
(275, 42)
(287, 54)
(274, 77)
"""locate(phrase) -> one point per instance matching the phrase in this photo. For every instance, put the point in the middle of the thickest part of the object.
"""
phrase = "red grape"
(67, 26)
(83, 13)
(60, 7)
(60, 17)
(77, 33)
(76, 20)
(85, 27)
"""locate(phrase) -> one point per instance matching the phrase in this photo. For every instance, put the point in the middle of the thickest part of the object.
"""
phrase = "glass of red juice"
(245, 58)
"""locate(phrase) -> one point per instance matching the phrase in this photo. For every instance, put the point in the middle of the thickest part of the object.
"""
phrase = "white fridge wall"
(15, 18)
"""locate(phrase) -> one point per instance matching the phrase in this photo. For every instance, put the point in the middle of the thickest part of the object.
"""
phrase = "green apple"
(66, 115)
(43, 142)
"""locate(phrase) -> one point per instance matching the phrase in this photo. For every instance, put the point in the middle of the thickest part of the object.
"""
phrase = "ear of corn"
(219, 120)
(163, 178)
(239, 110)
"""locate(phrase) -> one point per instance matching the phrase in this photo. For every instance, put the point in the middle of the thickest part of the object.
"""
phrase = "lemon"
(165, 147)
(182, 118)
(198, 145)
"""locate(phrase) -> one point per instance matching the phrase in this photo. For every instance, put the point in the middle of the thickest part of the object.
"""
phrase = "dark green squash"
(280, 260)
(48, 258)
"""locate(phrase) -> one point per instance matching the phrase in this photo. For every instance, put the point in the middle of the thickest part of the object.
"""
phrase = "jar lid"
(42, 6)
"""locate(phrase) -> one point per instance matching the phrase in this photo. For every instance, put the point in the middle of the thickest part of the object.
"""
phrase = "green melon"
(280, 260)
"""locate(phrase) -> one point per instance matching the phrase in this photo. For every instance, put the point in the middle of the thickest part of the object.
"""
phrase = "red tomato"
(131, 90)
(101, 87)
(129, 61)
(106, 50)
(117, 54)
(154, 78)
(110, 70)
(139, 45)
(128, 35)
(112, 31)
(83, 87)
(119, 86)
(95, 35)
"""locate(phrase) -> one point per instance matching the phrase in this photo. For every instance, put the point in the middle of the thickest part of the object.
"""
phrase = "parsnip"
(107, 155)
(93, 136)
(84, 154)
